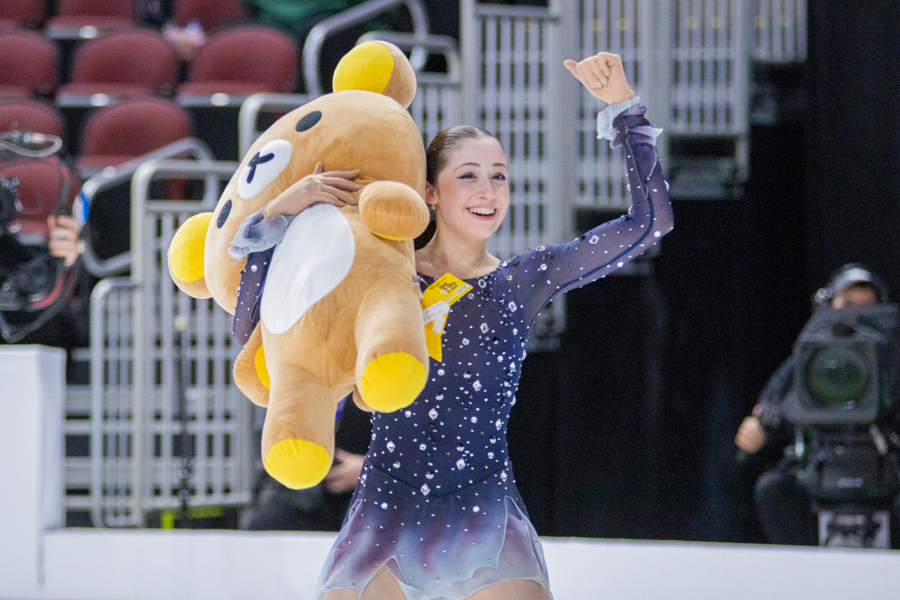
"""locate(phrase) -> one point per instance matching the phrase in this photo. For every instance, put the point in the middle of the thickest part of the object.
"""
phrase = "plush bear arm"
(250, 373)
(393, 210)
(186, 256)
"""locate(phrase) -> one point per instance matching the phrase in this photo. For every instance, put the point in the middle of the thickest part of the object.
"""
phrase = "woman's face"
(472, 192)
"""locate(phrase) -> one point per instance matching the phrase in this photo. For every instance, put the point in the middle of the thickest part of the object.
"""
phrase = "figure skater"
(436, 513)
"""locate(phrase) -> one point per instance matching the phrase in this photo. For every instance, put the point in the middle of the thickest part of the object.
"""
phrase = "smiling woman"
(436, 513)
(468, 190)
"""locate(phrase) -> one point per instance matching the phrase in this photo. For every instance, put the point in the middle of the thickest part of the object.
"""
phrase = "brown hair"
(446, 141)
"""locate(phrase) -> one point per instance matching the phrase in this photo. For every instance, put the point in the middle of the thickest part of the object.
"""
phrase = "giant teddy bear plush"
(333, 309)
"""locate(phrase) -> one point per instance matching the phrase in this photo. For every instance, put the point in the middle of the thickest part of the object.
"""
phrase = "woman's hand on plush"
(333, 187)
(604, 76)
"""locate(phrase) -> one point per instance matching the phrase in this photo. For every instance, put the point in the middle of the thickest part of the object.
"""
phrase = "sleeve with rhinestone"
(550, 270)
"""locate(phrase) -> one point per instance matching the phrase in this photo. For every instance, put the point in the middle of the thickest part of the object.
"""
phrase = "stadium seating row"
(240, 60)
(113, 13)
(113, 135)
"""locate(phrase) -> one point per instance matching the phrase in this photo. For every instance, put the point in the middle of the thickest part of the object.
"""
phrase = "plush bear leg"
(298, 435)
(357, 399)
(250, 373)
(392, 359)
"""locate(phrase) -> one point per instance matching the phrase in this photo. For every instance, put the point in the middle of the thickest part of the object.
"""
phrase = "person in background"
(782, 504)
(67, 328)
(321, 508)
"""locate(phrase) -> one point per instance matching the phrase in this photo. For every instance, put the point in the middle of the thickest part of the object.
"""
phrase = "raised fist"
(603, 76)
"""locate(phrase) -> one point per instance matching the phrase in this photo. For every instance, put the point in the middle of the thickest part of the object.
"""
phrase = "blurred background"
(780, 147)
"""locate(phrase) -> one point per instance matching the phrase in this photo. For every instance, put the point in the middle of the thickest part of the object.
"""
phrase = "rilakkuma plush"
(337, 307)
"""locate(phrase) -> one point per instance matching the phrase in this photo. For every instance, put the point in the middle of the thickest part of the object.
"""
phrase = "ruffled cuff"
(605, 118)
(255, 234)
(612, 123)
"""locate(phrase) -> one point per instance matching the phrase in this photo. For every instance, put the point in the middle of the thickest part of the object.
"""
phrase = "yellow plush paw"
(392, 381)
(297, 464)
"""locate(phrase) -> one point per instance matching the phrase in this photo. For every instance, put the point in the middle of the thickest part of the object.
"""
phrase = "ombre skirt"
(443, 547)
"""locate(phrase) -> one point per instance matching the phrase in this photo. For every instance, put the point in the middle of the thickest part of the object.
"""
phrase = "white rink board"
(162, 565)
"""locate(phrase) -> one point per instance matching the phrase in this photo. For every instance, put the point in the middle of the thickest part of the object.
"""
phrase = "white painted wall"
(32, 384)
(39, 559)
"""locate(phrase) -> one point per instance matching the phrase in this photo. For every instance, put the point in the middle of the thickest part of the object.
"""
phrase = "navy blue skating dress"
(437, 502)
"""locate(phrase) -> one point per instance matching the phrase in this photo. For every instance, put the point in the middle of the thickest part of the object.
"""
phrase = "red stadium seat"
(22, 13)
(242, 61)
(210, 13)
(30, 115)
(121, 63)
(40, 191)
(72, 15)
(121, 132)
(28, 64)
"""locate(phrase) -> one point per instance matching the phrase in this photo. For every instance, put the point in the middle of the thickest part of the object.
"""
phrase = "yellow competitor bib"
(436, 302)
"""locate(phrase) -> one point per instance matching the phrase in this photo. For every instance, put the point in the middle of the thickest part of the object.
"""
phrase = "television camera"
(843, 406)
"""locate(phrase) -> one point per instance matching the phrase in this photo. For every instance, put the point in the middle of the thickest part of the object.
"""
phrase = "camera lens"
(837, 377)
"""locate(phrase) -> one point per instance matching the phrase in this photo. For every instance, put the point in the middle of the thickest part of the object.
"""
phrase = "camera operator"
(784, 505)
(38, 274)
(39, 266)
(68, 327)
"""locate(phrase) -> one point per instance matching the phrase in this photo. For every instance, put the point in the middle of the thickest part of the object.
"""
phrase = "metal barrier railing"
(516, 103)
(170, 329)
(117, 175)
(437, 102)
(779, 30)
(687, 59)
(257, 104)
(709, 68)
(709, 85)
(112, 360)
(633, 29)
(168, 427)
(312, 47)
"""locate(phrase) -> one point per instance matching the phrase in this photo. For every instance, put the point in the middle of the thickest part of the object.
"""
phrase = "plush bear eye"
(264, 167)
(308, 121)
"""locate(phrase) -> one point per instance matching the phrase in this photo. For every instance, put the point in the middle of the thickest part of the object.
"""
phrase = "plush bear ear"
(378, 67)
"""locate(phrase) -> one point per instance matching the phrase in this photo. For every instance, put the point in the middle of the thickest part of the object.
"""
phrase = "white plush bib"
(314, 257)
